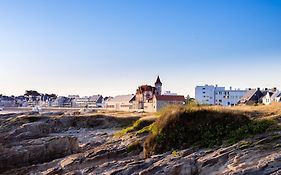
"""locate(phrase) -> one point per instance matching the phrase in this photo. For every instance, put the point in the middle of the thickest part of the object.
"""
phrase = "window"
(125, 106)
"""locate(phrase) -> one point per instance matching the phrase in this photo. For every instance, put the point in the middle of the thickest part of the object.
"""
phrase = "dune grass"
(203, 126)
(137, 126)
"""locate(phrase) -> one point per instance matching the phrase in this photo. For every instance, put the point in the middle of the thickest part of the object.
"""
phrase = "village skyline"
(146, 98)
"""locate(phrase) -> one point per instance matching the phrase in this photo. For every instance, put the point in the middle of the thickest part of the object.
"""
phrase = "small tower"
(158, 86)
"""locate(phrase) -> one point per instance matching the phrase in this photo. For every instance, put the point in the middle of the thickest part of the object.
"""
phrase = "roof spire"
(158, 81)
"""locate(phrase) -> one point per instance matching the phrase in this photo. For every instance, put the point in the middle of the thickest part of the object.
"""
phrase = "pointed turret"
(158, 86)
(158, 81)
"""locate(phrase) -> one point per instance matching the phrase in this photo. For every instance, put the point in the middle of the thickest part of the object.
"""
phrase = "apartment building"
(214, 95)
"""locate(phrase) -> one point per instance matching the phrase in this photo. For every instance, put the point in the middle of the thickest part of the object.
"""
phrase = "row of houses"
(14, 101)
(214, 95)
(33, 98)
(147, 98)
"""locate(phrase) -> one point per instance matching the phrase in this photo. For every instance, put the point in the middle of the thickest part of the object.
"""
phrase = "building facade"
(160, 101)
(95, 101)
(271, 97)
(121, 103)
(145, 93)
(147, 99)
(214, 95)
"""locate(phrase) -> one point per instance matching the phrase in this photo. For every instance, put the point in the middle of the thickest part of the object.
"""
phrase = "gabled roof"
(170, 98)
(275, 94)
(248, 95)
(158, 80)
(252, 95)
(123, 98)
(96, 98)
(269, 93)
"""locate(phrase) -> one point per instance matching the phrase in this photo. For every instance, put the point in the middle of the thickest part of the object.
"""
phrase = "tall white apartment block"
(214, 95)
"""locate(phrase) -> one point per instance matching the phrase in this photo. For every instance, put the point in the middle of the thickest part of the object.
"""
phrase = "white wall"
(205, 94)
(214, 95)
(228, 97)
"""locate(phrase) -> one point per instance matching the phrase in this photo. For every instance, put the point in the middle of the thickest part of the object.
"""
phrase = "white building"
(121, 103)
(214, 95)
(95, 101)
(271, 96)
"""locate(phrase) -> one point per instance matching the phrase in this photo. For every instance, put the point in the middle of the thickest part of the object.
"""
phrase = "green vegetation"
(249, 129)
(179, 128)
(148, 129)
(245, 144)
(176, 153)
(25, 119)
(134, 147)
(138, 125)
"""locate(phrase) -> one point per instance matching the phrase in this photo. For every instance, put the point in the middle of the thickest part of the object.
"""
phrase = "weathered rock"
(36, 151)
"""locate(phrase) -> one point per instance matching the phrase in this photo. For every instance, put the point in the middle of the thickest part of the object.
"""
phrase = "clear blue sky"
(112, 46)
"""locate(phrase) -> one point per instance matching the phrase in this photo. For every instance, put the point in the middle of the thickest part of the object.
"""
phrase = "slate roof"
(248, 95)
(253, 94)
(123, 98)
(275, 94)
(96, 98)
(158, 80)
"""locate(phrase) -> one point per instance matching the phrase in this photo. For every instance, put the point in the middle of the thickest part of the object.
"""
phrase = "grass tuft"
(138, 125)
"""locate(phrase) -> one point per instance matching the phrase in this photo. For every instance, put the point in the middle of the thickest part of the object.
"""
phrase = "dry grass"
(261, 111)
(206, 126)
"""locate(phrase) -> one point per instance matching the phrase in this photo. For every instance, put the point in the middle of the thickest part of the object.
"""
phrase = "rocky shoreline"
(59, 143)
